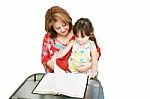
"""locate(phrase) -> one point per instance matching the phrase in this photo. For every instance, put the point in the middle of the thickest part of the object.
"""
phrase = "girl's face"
(82, 40)
(61, 28)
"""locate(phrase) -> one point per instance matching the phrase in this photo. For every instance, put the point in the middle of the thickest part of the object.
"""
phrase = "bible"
(62, 83)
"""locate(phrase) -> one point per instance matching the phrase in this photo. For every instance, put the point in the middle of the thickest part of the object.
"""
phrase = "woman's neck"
(64, 39)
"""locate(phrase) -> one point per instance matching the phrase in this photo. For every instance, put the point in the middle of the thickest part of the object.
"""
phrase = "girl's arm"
(94, 55)
(63, 52)
(83, 68)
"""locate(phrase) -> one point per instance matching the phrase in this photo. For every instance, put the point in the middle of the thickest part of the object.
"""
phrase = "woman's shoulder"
(47, 35)
(47, 38)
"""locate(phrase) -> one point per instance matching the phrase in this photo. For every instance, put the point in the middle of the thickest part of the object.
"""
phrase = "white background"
(122, 28)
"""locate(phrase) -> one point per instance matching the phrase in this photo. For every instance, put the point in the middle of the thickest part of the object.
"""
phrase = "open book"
(60, 82)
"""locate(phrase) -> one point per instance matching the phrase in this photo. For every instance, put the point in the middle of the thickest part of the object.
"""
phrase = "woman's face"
(61, 28)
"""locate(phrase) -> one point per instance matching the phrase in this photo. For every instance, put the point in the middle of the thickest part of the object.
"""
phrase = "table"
(24, 91)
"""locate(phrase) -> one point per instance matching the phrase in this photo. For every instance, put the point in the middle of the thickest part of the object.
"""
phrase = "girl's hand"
(80, 69)
(54, 57)
(83, 67)
(50, 64)
(85, 64)
(91, 75)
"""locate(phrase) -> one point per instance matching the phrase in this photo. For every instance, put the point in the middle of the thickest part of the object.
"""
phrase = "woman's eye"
(64, 25)
(57, 28)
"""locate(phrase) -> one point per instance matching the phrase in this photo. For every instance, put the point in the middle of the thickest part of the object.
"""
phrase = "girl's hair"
(85, 27)
(54, 14)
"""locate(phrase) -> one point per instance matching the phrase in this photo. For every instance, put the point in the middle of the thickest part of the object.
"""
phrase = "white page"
(74, 85)
(58, 76)
(50, 82)
(46, 85)
(58, 70)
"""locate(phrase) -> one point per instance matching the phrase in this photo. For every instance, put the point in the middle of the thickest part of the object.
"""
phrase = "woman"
(58, 25)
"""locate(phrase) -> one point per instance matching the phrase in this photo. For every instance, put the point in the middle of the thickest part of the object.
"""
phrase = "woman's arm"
(47, 53)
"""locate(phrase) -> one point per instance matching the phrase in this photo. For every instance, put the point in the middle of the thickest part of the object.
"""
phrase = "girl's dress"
(80, 55)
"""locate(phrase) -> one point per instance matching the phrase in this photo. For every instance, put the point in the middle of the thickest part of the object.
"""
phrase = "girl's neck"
(84, 45)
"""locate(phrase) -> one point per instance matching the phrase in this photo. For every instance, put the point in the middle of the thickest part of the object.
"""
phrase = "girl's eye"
(82, 36)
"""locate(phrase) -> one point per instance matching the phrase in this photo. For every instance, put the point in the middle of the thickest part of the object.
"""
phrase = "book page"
(58, 70)
(58, 76)
(46, 85)
(74, 85)
(51, 82)
(60, 82)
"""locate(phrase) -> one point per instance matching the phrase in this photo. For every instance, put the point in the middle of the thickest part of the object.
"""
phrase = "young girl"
(84, 56)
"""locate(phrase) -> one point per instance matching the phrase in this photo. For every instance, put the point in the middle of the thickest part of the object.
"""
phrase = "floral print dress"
(80, 55)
